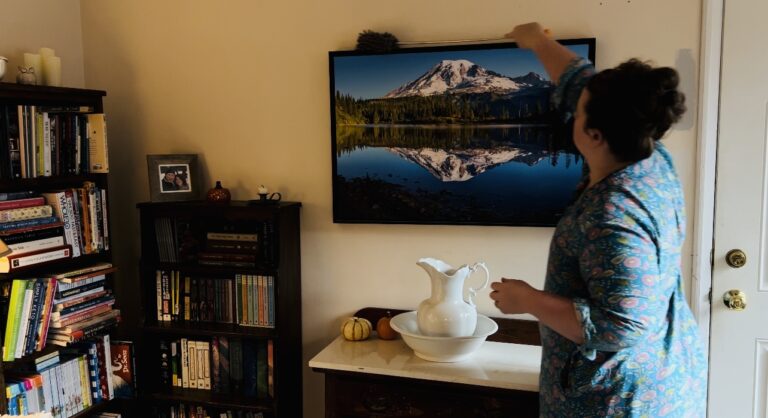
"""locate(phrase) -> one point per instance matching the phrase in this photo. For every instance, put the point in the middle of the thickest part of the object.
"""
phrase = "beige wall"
(28, 25)
(245, 85)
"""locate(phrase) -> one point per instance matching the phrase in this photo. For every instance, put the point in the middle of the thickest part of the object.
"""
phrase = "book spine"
(12, 327)
(83, 302)
(63, 287)
(22, 214)
(24, 319)
(36, 245)
(33, 235)
(63, 294)
(26, 223)
(20, 203)
(97, 143)
(36, 309)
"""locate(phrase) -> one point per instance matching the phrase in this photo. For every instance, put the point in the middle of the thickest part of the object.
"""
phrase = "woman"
(618, 338)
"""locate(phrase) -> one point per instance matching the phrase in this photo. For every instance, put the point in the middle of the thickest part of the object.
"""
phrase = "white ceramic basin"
(442, 349)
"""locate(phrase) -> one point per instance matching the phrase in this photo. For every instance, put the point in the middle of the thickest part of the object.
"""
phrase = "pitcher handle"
(473, 291)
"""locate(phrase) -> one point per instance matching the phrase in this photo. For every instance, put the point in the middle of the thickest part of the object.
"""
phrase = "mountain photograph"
(449, 137)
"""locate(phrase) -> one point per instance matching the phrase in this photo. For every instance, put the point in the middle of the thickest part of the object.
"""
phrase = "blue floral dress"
(616, 254)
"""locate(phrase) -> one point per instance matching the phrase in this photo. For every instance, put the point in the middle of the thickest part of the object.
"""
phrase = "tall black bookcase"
(179, 246)
(54, 97)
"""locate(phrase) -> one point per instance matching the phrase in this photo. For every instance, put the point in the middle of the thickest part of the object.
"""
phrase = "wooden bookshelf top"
(15, 91)
(232, 204)
(51, 183)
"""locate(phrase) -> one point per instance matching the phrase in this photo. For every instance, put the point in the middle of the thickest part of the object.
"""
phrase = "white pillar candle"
(52, 71)
(34, 61)
(45, 54)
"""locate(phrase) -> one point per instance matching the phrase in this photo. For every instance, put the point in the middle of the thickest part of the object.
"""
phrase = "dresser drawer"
(365, 395)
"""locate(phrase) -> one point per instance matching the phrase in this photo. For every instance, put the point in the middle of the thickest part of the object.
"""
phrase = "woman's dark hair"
(633, 105)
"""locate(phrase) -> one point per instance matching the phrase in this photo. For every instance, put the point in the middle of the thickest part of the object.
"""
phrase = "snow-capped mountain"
(463, 165)
(463, 77)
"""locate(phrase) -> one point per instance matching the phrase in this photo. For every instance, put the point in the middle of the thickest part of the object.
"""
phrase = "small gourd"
(356, 329)
(384, 327)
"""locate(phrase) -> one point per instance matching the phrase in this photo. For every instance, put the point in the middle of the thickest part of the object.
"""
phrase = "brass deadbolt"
(736, 258)
(735, 300)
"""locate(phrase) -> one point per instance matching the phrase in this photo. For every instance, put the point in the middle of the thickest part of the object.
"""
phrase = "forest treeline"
(447, 108)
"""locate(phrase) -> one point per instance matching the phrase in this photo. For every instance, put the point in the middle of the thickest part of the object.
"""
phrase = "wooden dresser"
(377, 378)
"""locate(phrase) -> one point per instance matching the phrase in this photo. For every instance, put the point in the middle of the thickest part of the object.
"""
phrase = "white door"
(738, 384)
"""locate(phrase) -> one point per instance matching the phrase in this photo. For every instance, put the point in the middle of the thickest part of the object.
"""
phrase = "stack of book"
(222, 365)
(82, 305)
(193, 299)
(59, 309)
(192, 411)
(83, 213)
(229, 249)
(69, 381)
(51, 141)
(31, 230)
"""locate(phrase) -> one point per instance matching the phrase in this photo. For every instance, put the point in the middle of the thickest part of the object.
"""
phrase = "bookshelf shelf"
(54, 130)
(95, 409)
(54, 182)
(255, 352)
(211, 271)
(216, 400)
(209, 329)
(58, 266)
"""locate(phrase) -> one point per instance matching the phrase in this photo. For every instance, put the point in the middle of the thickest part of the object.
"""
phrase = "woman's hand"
(513, 296)
(529, 35)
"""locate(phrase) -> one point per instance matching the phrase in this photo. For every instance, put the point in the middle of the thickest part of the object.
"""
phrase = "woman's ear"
(595, 134)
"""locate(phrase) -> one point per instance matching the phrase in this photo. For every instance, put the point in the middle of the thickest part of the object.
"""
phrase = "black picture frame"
(173, 177)
(366, 191)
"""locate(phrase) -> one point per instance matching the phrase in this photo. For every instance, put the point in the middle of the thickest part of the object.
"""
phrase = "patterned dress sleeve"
(566, 94)
(619, 265)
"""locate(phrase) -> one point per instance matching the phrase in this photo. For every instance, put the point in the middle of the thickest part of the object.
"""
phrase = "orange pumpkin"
(384, 328)
(356, 329)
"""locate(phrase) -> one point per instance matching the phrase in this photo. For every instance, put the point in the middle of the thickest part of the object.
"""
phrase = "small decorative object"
(34, 61)
(370, 41)
(445, 313)
(3, 64)
(26, 76)
(218, 194)
(266, 197)
(173, 177)
(356, 329)
(384, 328)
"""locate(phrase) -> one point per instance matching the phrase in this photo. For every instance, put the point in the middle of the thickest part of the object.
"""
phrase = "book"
(70, 276)
(124, 369)
(14, 262)
(21, 203)
(14, 312)
(230, 236)
(98, 150)
(33, 235)
(20, 214)
(13, 226)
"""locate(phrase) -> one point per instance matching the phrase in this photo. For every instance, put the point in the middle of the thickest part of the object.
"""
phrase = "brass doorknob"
(736, 258)
(735, 300)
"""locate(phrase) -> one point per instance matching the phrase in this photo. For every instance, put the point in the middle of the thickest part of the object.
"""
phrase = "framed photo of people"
(173, 177)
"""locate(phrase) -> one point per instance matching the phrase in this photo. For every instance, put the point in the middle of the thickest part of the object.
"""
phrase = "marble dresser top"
(497, 365)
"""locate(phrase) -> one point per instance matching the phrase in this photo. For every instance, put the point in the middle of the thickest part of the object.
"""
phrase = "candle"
(45, 55)
(52, 71)
(263, 190)
(34, 61)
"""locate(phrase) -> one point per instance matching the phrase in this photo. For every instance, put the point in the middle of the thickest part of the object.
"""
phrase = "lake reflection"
(483, 174)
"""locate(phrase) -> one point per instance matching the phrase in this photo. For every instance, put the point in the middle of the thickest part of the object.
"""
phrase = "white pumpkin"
(356, 329)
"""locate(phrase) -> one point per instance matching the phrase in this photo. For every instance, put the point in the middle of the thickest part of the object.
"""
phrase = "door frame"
(708, 120)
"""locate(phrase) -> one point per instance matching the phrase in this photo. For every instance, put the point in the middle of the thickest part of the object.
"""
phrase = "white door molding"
(706, 155)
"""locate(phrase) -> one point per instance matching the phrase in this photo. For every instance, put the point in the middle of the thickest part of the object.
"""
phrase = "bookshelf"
(186, 237)
(64, 167)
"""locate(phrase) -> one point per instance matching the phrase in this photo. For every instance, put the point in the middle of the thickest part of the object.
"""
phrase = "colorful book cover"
(123, 369)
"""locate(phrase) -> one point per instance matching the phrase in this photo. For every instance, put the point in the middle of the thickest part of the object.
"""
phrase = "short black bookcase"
(221, 300)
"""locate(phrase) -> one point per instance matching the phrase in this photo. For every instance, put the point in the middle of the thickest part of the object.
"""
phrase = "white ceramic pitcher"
(446, 313)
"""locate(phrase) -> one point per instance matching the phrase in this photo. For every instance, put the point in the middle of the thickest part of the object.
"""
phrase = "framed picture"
(173, 177)
(450, 135)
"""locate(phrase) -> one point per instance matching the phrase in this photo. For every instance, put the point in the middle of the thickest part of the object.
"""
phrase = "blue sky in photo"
(372, 76)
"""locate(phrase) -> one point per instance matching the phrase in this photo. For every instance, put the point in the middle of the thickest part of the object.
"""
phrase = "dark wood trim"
(516, 331)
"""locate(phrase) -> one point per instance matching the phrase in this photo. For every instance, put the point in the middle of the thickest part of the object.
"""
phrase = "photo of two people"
(174, 178)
